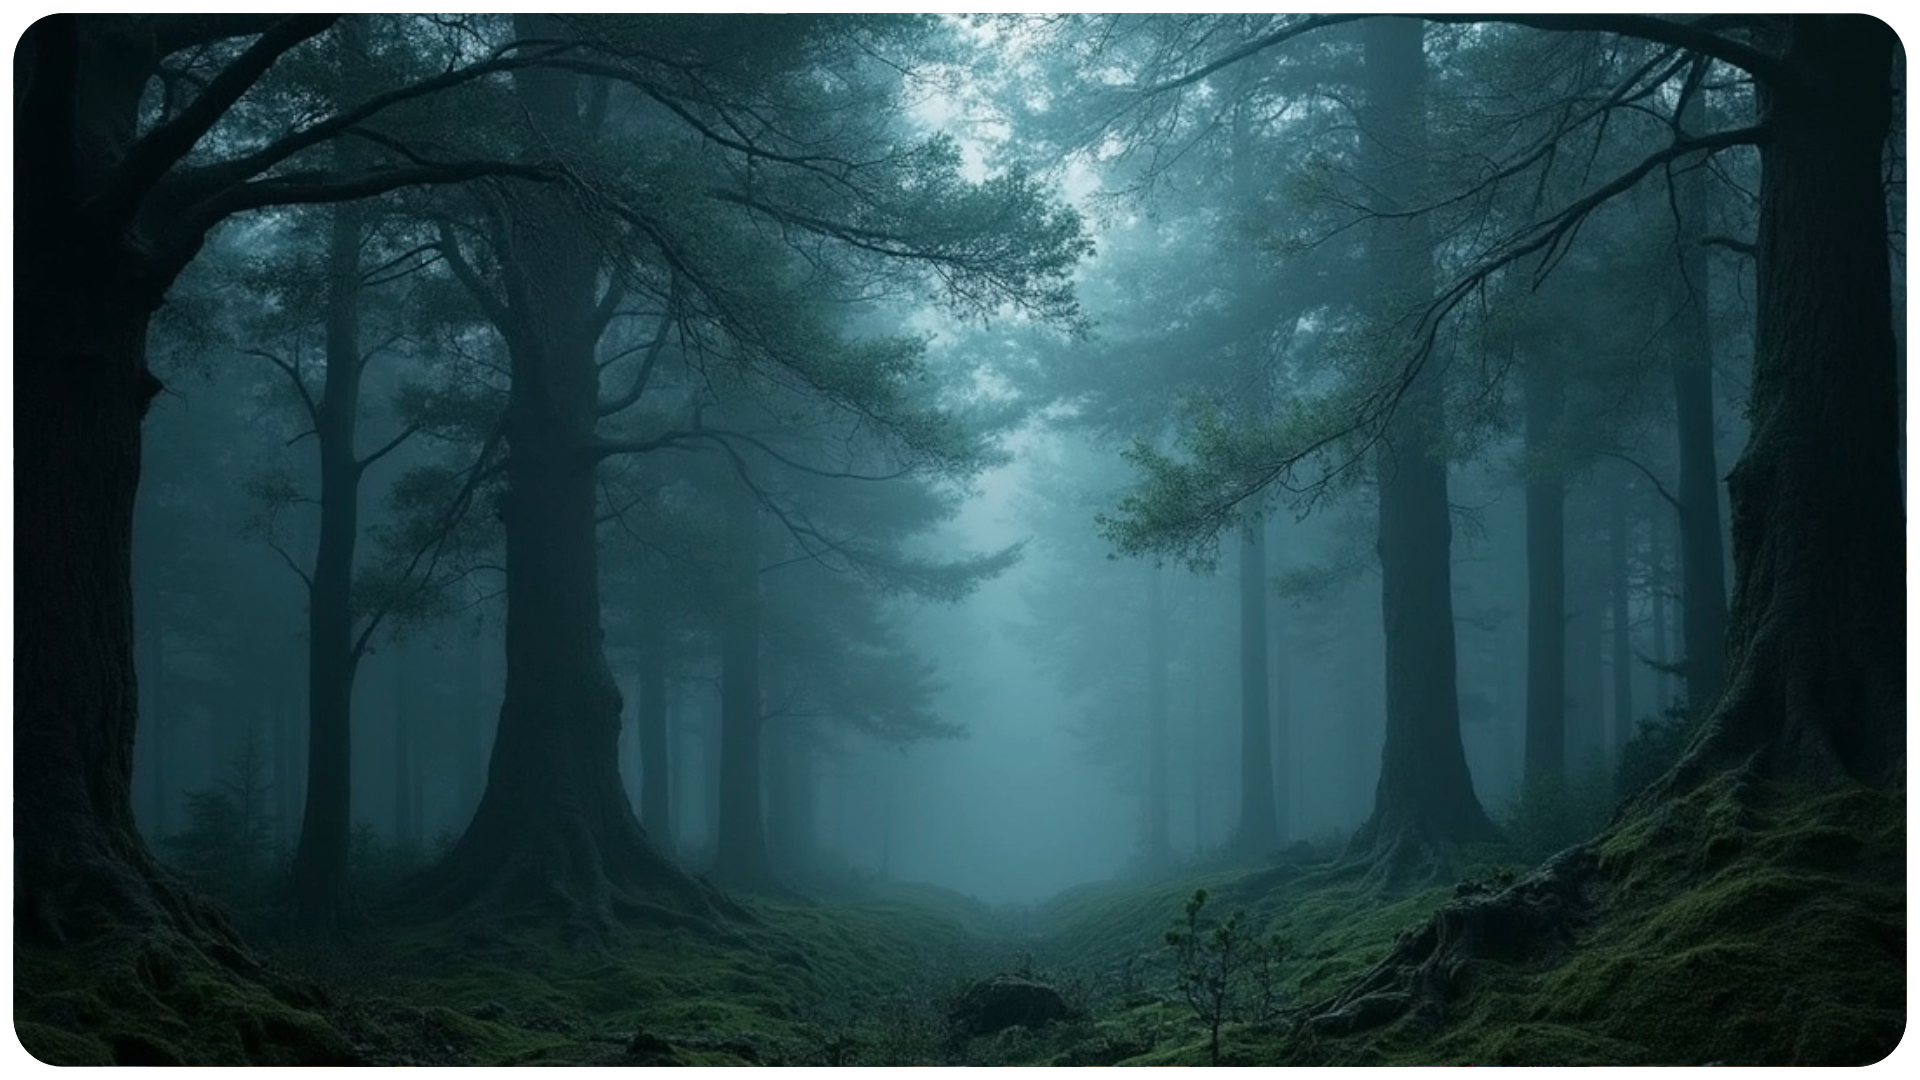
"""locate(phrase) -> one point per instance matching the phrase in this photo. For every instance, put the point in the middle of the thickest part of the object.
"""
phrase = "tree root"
(1429, 968)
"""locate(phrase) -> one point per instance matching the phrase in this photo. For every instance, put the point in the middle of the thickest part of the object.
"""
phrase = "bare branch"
(645, 374)
(330, 187)
(299, 384)
(1658, 488)
(174, 33)
(159, 150)
(391, 445)
(495, 310)
(1731, 243)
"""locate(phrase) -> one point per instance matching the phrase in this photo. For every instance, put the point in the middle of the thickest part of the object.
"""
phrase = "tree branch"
(299, 384)
(1731, 243)
(227, 173)
(391, 445)
(495, 310)
(1693, 36)
(1658, 488)
(159, 150)
(645, 374)
(173, 33)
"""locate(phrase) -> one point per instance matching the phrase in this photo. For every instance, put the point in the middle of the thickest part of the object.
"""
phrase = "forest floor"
(1744, 924)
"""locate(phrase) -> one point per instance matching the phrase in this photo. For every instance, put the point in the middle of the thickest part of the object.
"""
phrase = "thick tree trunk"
(81, 387)
(740, 857)
(1425, 800)
(1546, 756)
(1817, 673)
(155, 726)
(554, 829)
(1255, 837)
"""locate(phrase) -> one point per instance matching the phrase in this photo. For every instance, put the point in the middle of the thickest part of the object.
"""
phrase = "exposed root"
(1430, 967)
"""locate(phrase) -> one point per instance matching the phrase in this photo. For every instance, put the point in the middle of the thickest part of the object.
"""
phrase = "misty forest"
(1080, 539)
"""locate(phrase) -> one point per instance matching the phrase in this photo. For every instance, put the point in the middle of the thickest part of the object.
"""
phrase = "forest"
(1203, 539)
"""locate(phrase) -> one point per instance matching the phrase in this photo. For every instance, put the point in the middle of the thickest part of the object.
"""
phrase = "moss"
(56, 1047)
(159, 1001)
(1745, 924)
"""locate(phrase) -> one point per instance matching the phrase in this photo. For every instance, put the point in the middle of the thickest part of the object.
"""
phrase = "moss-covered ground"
(1744, 924)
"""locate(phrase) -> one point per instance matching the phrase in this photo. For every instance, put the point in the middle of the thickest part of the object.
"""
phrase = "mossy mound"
(157, 1000)
(1745, 923)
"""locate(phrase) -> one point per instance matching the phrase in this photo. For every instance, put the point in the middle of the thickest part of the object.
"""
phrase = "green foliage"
(1653, 749)
(227, 847)
(1224, 970)
(1555, 812)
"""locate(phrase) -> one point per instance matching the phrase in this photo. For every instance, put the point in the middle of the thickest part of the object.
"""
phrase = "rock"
(1005, 1001)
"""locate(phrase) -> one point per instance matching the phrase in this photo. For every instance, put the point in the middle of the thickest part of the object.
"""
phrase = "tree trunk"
(1817, 672)
(319, 879)
(1703, 575)
(656, 793)
(1255, 837)
(1425, 800)
(1660, 584)
(554, 829)
(1620, 649)
(470, 734)
(740, 858)
(1282, 691)
(1586, 675)
(1546, 756)
(406, 828)
(156, 727)
(81, 387)
(1159, 844)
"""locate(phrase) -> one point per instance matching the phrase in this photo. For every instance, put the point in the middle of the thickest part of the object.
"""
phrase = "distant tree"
(1816, 511)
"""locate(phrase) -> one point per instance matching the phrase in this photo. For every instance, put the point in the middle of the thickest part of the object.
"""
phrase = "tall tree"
(1425, 799)
(1815, 683)
(116, 193)
(855, 212)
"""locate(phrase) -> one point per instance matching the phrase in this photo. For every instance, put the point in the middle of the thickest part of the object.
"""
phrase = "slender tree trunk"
(712, 737)
(1255, 836)
(1660, 583)
(1282, 690)
(1425, 799)
(1620, 650)
(741, 858)
(319, 879)
(656, 794)
(804, 828)
(1816, 669)
(406, 828)
(1703, 574)
(1546, 756)
(470, 733)
(1586, 674)
(1159, 844)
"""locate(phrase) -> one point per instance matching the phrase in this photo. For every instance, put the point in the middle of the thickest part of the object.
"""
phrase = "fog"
(1001, 454)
